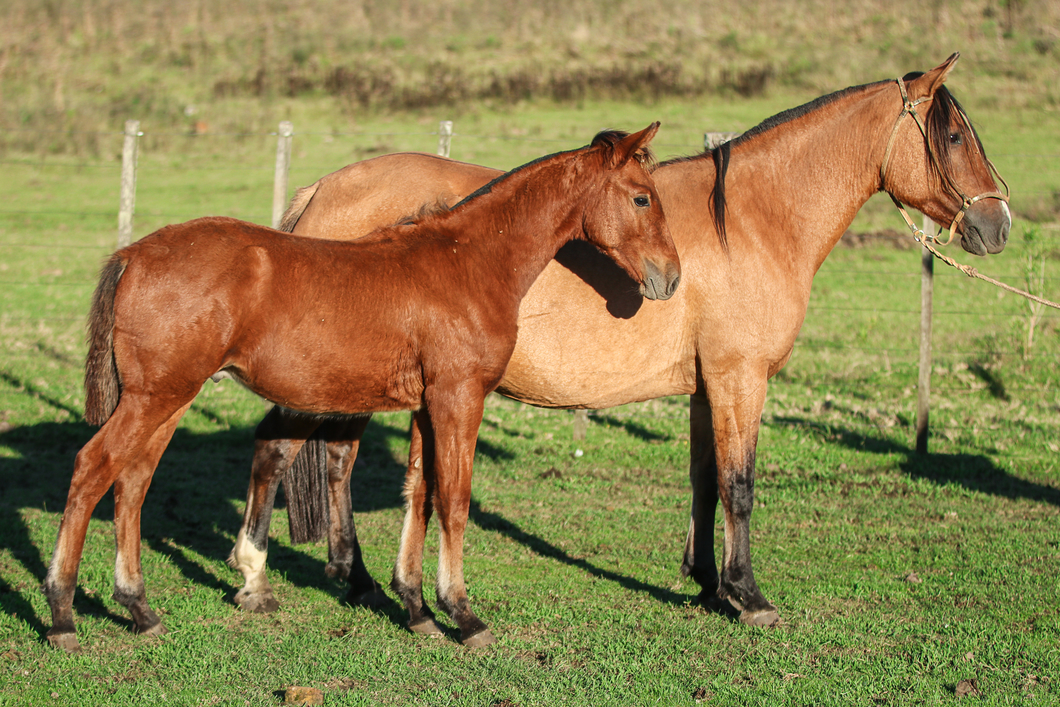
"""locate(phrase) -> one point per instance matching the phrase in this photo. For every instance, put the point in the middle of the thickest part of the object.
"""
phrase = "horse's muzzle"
(986, 230)
(659, 285)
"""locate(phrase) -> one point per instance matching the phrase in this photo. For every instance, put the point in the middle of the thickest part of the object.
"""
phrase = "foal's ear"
(635, 146)
(927, 84)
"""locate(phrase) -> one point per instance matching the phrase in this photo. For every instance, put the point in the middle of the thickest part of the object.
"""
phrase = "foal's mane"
(939, 115)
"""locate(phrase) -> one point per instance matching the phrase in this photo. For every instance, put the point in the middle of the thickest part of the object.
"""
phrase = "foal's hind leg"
(277, 440)
(130, 488)
(118, 443)
(419, 493)
(344, 552)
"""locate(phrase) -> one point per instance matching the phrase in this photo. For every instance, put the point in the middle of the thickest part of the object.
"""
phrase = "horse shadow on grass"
(974, 472)
(192, 508)
(192, 511)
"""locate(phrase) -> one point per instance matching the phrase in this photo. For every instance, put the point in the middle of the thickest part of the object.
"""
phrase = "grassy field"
(899, 576)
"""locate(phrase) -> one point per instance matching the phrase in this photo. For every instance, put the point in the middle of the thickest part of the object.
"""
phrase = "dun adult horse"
(753, 220)
(420, 316)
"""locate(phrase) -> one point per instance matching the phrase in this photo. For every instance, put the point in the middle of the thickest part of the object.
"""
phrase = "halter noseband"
(909, 108)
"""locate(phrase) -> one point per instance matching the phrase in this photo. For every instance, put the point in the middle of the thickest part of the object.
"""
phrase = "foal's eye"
(641, 201)
(955, 138)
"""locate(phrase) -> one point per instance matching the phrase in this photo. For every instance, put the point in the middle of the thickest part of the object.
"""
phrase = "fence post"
(923, 404)
(445, 137)
(712, 140)
(127, 205)
(283, 163)
(581, 423)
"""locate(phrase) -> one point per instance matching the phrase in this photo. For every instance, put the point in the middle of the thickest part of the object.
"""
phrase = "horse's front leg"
(278, 438)
(735, 406)
(455, 419)
(419, 505)
(344, 552)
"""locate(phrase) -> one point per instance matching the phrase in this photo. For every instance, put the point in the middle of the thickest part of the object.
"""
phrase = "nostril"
(673, 287)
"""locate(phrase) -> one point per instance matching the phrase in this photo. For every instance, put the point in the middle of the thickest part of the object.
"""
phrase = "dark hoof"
(372, 599)
(258, 603)
(425, 627)
(64, 641)
(766, 618)
(479, 640)
(156, 629)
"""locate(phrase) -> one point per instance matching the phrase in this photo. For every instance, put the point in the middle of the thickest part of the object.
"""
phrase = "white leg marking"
(251, 562)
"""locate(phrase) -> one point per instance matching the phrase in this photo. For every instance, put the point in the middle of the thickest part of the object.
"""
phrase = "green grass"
(899, 576)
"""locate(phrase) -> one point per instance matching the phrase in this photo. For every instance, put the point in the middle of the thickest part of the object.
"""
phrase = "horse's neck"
(812, 175)
(519, 226)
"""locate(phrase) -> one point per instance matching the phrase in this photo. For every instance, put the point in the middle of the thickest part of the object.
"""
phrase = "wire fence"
(249, 178)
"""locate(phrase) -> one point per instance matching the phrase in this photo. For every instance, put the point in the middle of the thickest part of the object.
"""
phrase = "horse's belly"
(572, 352)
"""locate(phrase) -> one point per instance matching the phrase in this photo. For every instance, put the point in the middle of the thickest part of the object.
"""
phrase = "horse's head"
(935, 163)
(625, 217)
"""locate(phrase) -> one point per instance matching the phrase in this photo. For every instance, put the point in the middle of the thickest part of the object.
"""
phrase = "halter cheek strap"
(909, 108)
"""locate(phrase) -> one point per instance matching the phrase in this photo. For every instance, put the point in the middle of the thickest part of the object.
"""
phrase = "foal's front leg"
(455, 421)
(277, 440)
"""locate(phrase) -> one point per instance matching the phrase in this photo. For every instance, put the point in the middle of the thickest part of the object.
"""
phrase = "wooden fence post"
(127, 204)
(445, 137)
(923, 403)
(712, 140)
(581, 423)
(283, 164)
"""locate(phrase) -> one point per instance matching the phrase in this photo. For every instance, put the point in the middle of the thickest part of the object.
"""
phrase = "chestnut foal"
(420, 316)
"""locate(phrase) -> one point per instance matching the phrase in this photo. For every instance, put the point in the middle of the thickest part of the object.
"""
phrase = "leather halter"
(909, 108)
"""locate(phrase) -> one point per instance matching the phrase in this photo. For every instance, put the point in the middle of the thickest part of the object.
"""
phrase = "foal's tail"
(298, 205)
(102, 382)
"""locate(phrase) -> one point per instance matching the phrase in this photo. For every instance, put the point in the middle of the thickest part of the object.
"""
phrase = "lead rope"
(925, 240)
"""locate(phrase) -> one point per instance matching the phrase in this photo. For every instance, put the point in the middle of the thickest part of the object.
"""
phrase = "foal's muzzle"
(657, 284)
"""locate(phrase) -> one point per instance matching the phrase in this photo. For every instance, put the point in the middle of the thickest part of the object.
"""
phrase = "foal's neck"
(519, 224)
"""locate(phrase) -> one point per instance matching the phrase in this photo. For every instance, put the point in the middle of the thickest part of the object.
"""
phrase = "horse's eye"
(955, 138)
(641, 201)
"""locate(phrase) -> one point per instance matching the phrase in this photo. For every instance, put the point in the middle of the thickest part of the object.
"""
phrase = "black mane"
(721, 154)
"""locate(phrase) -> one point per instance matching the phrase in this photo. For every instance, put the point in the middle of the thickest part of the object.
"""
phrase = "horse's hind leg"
(130, 488)
(419, 493)
(344, 552)
(98, 464)
(699, 561)
(277, 440)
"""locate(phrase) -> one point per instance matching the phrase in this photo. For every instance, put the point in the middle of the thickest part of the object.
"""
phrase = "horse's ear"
(927, 84)
(635, 146)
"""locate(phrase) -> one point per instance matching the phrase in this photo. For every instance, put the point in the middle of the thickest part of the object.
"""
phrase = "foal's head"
(941, 168)
(625, 219)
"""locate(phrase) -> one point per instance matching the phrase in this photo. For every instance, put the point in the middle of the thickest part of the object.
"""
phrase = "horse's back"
(362, 196)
